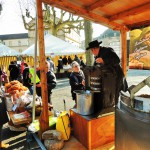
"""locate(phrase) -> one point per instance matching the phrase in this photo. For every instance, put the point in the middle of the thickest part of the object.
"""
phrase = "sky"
(11, 21)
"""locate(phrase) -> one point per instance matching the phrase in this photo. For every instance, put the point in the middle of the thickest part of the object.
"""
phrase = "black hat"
(93, 44)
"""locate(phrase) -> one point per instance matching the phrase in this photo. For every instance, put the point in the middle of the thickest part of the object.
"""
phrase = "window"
(10, 43)
(20, 50)
(19, 43)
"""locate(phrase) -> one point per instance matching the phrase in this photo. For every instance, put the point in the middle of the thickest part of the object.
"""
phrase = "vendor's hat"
(93, 44)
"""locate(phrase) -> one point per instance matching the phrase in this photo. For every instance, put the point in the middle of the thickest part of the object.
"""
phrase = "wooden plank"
(83, 12)
(44, 122)
(18, 121)
(109, 146)
(124, 50)
(131, 12)
(139, 24)
(95, 132)
(99, 3)
(102, 131)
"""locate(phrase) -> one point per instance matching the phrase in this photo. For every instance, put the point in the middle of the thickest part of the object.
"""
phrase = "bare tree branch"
(65, 21)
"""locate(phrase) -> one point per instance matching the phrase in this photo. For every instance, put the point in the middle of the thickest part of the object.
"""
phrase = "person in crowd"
(51, 82)
(65, 60)
(82, 64)
(51, 64)
(69, 60)
(4, 118)
(76, 79)
(4, 76)
(14, 71)
(60, 64)
(20, 76)
(22, 66)
(77, 59)
(26, 79)
(105, 56)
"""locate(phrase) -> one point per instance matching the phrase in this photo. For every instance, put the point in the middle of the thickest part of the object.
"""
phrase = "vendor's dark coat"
(112, 62)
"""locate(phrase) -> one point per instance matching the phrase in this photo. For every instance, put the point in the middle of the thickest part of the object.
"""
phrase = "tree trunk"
(54, 31)
(88, 31)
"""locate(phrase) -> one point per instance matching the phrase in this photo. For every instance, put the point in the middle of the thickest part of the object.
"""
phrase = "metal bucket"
(85, 102)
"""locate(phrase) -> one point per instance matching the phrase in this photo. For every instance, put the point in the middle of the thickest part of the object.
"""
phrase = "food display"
(15, 87)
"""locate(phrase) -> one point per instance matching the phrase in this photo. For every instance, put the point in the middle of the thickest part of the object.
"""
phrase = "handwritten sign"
(139, 57)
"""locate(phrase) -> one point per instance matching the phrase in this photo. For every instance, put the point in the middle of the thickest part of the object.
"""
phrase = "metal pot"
(85, 102)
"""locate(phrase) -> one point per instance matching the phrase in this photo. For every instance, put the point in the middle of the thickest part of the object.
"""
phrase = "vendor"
(76, 79)
(105, 56)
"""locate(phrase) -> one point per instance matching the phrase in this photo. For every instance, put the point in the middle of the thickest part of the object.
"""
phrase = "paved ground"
(62, 92)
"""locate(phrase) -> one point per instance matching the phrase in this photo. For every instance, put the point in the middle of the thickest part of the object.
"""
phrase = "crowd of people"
(103, 55)
(21, 71)
(24, 73)
(68, 61)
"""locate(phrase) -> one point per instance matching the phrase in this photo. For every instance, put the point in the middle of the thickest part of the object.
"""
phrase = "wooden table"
(93, 131)
(18, 121)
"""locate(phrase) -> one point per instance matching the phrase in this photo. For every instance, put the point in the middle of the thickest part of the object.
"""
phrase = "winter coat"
(51, 83)
(75, 81)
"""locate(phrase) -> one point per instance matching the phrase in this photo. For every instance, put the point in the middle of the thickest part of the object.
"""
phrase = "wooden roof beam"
(130, 12)
(99, 3)
(70, 7)
(139, 25)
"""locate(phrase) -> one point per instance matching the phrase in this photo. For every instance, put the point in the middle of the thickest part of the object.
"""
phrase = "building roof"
(114, 14)
(14, 36)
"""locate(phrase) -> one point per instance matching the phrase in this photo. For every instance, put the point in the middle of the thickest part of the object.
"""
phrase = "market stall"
(126, 16)
(53, 48)
(6, 51)
(7, 55)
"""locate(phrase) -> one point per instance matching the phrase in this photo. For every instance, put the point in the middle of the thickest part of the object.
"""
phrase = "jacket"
(51, 82)
(75, 81)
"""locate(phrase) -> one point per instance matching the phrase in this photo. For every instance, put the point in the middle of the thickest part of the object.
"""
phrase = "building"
(22, 41)
(18, 42)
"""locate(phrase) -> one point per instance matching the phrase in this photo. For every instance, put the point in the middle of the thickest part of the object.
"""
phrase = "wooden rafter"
(81, 11)
(99, 3)
(133, 11)
(139, 25)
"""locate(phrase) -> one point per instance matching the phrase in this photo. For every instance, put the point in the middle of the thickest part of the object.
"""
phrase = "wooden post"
(44, 120)
(124, 50)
